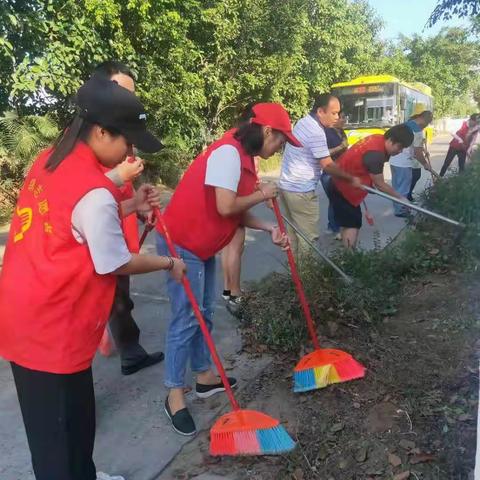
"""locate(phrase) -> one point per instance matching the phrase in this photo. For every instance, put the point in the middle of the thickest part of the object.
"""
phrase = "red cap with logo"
(275, 116)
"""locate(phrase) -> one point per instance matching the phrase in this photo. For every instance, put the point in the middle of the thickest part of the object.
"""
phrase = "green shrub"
(21, 139)
(272, 315)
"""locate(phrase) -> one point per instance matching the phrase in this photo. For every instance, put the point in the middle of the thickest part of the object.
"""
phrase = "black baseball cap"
(115, 108)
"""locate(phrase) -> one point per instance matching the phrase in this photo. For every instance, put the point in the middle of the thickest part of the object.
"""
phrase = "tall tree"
(447, 9)
(447, 62)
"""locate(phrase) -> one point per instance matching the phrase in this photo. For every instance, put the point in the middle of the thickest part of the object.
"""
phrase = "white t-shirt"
(224, 168)
(95, 221)
(406, 158)
(301, 165)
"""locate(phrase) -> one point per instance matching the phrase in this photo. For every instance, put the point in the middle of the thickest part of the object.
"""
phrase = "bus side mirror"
(403, 102)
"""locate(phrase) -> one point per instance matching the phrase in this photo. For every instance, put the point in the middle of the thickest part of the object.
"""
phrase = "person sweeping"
(124, 328)
(64, 250)
(460, 144)
(211, 201)
(364, 160)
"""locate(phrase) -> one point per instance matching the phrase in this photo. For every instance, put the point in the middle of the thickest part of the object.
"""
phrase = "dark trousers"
(416, 175)
(124, 330)
(451, 154)
(59, 416)
(325, 179)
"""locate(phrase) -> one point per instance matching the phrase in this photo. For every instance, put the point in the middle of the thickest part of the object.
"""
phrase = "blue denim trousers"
(325, 179)
(401, 182)
(184, 340)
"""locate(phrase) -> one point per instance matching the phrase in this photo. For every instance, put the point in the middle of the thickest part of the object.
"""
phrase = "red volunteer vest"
(352, 162)
(192, 217)
(129, 223)
(53, 305)
(462, 133)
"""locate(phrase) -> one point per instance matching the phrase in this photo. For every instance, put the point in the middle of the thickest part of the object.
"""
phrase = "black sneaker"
(182, 421)
(148, 361)
(236, 300)
(205, 391)
(226, 295)
(235, 306)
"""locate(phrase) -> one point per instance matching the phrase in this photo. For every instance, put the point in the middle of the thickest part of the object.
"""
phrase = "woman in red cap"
(64, 250)
(211, 201)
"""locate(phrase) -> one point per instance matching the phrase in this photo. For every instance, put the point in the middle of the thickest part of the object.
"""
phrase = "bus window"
(368, 105)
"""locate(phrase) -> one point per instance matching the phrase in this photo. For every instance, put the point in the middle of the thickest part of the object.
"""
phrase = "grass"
(272, 316)
(270, 164)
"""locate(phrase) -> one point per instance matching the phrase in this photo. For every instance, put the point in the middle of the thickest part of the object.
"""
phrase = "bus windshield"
(372, 105)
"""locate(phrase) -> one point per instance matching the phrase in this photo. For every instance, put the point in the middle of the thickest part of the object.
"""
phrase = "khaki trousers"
(303, 210)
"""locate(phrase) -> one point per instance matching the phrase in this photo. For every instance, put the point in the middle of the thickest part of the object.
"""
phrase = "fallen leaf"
(375, 473)
(298, 474)
(361, 455)
(332, 328)
(422, 458)
(402, 476)
(337, 427)
(322, 453)
(394, 460)
(407, 444)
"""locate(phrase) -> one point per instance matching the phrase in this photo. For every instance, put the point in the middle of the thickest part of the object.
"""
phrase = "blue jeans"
(184, 338)
(332, 224)
(401, 182)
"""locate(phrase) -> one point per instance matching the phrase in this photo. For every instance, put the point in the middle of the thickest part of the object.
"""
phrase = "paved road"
(134, 438)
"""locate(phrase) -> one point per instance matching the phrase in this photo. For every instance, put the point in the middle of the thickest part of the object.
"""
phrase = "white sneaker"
(105, 476)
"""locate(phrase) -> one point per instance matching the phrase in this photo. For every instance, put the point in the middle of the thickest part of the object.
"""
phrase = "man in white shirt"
(302, 167)
(413, 157)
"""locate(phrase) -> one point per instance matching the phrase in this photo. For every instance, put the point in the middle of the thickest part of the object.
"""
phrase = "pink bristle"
(246, 443)
(349, 369)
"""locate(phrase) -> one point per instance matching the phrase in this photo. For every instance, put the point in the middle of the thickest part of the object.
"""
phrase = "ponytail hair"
(249, 134)
(78, 129)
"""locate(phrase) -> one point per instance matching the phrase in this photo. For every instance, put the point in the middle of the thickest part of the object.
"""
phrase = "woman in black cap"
(64, 250)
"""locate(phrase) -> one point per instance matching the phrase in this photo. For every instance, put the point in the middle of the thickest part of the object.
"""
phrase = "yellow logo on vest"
(26, 216)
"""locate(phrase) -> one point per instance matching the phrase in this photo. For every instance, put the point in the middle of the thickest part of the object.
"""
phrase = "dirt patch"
(412, 417)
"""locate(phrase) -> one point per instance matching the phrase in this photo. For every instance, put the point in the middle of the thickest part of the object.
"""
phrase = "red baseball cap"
(275, 116)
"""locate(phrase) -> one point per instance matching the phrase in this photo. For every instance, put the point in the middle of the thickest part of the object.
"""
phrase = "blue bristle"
(304, 380)
(275, 440)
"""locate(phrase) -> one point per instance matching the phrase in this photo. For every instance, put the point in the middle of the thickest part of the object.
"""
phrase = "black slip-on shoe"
(182, 421)
(205, 391)
(148, 361)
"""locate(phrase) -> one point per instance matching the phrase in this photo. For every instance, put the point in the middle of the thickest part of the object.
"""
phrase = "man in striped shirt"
(302, 167)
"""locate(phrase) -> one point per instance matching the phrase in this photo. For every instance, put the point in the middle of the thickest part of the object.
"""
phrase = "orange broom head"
(324, 367)
(247, 432)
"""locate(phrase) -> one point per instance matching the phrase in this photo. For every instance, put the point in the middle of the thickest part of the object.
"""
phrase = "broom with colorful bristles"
(325, 366)
(240, 432)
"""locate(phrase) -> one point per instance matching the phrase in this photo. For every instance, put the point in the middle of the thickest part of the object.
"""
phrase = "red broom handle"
(296, 280)
(198, 314)
(146, 231)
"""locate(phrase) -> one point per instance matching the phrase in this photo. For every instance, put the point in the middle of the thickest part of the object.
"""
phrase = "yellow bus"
(373, 104)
